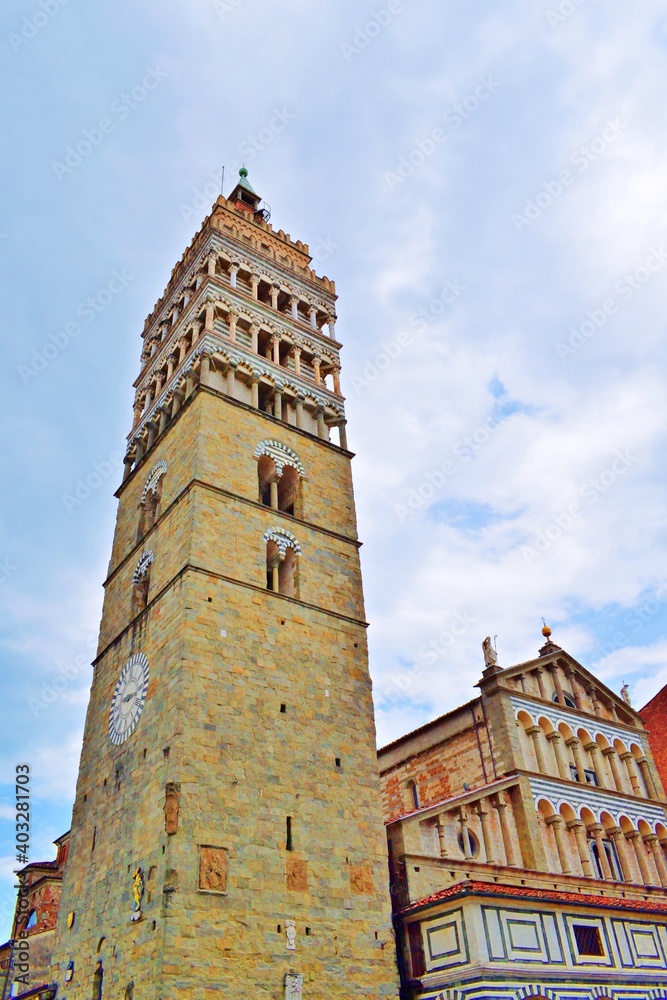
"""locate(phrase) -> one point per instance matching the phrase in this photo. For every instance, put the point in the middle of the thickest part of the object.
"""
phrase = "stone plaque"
(361, 880)
(296, 875)
(293, 987)
(213, 869)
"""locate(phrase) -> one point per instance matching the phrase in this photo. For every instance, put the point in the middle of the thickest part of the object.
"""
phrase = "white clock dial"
(128, 699)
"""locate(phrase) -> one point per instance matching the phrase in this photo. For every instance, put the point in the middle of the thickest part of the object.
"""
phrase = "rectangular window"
(589, 941)
(591, 777)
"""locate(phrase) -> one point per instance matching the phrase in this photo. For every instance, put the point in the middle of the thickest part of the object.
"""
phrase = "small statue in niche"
(137, 892)
(172, 805)
(290, 933)
(490, 655)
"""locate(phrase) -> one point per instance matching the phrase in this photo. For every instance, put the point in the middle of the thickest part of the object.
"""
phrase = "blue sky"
(485, 183)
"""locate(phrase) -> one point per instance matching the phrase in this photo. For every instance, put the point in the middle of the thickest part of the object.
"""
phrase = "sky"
(486, 185)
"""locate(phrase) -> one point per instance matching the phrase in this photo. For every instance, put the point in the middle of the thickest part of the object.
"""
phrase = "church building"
(528, 835)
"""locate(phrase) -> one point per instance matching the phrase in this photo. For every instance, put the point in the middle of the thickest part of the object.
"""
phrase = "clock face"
(128, 699)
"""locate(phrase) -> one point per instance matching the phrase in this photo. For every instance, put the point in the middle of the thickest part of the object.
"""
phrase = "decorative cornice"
(598, 800)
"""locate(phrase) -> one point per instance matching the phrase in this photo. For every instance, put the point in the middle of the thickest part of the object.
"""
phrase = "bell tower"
(227, 836)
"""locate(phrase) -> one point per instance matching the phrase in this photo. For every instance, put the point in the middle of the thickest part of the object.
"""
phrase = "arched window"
(282, 564)
(568, 699)
(280, 474)
(413, 792)
(141, 581)
(149, 509)
(32, 920)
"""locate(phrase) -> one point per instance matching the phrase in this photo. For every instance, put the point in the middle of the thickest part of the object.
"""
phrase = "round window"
(474, 844)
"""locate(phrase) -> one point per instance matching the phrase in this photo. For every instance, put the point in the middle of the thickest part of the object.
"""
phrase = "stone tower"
(227, 837)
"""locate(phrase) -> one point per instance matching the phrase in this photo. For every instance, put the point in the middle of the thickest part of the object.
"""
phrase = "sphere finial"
(546, 631)
(243, 172)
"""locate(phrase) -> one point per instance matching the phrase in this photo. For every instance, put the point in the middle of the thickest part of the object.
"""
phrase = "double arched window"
(282, 562)
(280, 476)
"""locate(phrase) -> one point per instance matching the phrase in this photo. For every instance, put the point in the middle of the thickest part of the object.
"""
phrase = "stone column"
(322, 430)
(313, 317)
(171, 364)
(598, 832)
(555, 673)
(342, 425)
(254, 285)
(254, 392)
(275, 343)
(189, 384)
(582, 846)
(629, 761)
(576, 693)
(278, 404)
(232, 319)
(158, 385)
(317, 362)
(486, 832)
(612, 757)
(594, 750)
(204, 370)
(441, 825)
(210, 316)
(294, 306)
(653, 845)
(175, 405)
(556, 741)
(164, 420)
(637, 842)
(182, 348)
(336, 383)
(273, 487)
(297, 360)
(233, 275)
(128, 462)
(274, 296)
(332, 326)
(139, 454)
(196, 329)
(539, 672)
(152, 432)
(536, 733)
(575, 743)
(211, 262)
(522, 682)
(254, 334)
(465, 833)
(148, 399)
(137, 410)
(593, 695)
(618, 837)
(645, 769)
(231, 378)
(506, 831)
(556, 823)
(299, 412)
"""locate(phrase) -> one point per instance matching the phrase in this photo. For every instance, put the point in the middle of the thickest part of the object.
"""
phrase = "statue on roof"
(625, 694)
(490, 655)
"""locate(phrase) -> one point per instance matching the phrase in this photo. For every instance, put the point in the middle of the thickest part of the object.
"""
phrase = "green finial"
(243, 172)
